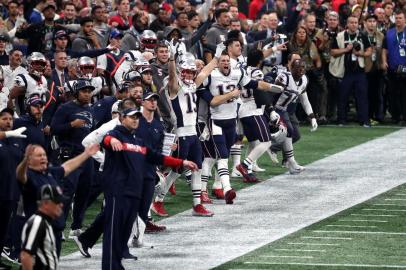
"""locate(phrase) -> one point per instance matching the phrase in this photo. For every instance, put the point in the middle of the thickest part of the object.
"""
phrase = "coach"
(123, 180)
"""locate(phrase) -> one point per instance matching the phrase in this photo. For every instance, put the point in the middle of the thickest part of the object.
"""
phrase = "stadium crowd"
(122, 98)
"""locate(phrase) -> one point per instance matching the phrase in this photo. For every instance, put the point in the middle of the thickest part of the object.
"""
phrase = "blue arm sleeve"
(205, 94)
(252, 85)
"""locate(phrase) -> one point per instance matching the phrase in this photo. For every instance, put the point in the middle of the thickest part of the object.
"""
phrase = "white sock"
(196, 186)
(207, 166)
(259, 150)
(217, 182)
(222, 168)
(235, 153)
(169, 180)
(288, 148)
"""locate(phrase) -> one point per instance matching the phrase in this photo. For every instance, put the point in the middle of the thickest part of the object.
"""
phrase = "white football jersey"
(10, 74)
(183, 109)
(248, 106)
(240, 62)
(220, 84)
(98, 83)
(4, 94)
(292, 89)
(130, 57)
(32, 86)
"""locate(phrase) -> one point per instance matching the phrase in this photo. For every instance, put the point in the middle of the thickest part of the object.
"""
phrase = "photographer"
(394, 61)
(348, 52)
(373, 69)
(325, 38)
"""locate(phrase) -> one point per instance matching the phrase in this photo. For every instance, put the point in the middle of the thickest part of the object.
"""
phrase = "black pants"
(146, 200)
(6, 209)
(397, 97)
(375, 95)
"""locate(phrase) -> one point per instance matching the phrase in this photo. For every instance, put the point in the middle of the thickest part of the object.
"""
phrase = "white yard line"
(367, 215)
(326, 237)
(300, 250)
(388, 204)
(313, 244)
(360, 232)
(286, 256)
(268, 211)
(350, 226)
(395, 199)
(363, 220)
(384, 210)
(332, 265)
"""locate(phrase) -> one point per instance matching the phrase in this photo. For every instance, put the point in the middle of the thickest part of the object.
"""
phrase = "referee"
(39, 246)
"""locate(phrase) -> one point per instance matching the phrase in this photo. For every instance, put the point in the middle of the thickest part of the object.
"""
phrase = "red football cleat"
(158, 208)
(248, 177)
(218, 193)
(200, 211)
(204, 198)
(172, 189)
(152, 227)
(230, 196)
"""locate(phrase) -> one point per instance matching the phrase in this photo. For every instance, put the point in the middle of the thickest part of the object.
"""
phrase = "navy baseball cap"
(116, 34)
(83, 84)
(34, 101)
(131, 112)
(149, 95)
(7, 110)
(60, 33)
(52, 193)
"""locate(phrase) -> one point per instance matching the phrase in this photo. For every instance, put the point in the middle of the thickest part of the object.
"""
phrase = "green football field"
(312, 146)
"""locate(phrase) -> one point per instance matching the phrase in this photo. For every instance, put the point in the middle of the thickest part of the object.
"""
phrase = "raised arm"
(173, 84)
(211, 66)
(72, 164)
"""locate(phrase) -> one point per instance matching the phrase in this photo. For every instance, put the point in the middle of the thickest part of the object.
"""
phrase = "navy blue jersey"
(102, 110)
(34, 132)
(11, 153)
(61, 127)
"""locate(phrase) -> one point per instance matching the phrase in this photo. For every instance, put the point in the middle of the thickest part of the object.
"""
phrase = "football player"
(25, 85)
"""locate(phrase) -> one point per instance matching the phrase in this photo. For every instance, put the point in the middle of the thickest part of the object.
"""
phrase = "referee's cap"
(52, 193)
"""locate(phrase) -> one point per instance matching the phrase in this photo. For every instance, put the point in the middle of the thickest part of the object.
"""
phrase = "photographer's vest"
(394, 44)
(336, 66)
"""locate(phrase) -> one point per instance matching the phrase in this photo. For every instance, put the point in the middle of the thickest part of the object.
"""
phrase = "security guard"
(72, 122)
(123, 182)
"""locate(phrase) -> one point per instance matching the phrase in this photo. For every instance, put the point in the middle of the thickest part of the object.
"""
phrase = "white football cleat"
(293, 167)
(256, 168)
(74, 233)
(236, 173)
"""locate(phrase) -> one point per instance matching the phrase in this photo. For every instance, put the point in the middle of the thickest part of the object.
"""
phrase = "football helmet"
(36, 64)
(187, 68)
(132, 76)
(149, 40)
(257, 74)
(140, 63)
(86, 67)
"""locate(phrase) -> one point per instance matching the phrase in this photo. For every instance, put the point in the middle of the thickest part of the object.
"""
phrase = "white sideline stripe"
(327, 237)
(385, 210)
(367, 215)
(332, 264)
(388, 204)
(361, 232)
(400, 194)
(302, 250)
(286, 256)
(363, 220)
(351, 226)
(313, 244)
(395, 199)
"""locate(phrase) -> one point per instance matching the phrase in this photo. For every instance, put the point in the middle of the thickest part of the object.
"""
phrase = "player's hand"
(17, 133)
(46, 130)
(92, 149)
(282, 47)
(190, 165)
(174, 146)
(173, 48)
(116, 145)
(78, 123)
(219, 49)
(314, 125)
(274, 117)
(235, 93)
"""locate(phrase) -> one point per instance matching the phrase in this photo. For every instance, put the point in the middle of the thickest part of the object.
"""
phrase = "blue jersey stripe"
(178, 112)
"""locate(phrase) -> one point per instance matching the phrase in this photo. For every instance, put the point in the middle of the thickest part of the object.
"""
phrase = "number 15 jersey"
(183, 109)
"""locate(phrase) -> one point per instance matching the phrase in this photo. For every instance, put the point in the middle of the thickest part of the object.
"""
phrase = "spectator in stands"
(349, 50)
(87, 37)
(254, 8)
(394, 61)
(121, 21)
(162, 21)
(40, 35)
(218, 32)
(131, 39)
(101, 28)
(69, 15)
(13, 15)
(4, 40)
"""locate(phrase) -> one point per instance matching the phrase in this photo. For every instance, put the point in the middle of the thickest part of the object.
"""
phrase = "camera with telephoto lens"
(356, 46)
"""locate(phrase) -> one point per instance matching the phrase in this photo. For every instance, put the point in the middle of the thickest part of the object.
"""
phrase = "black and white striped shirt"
(38, 239)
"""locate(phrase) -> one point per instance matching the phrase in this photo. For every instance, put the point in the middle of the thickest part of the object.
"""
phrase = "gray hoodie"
(216, 34)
